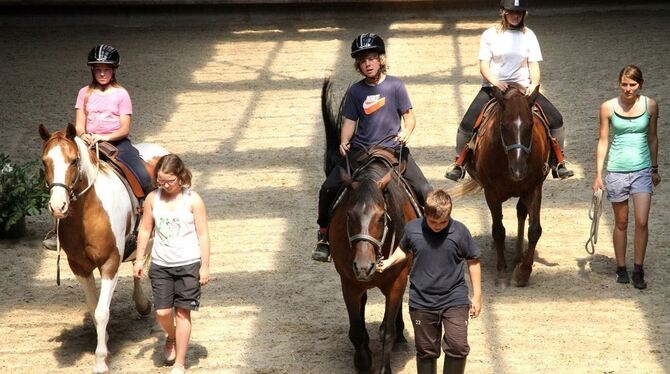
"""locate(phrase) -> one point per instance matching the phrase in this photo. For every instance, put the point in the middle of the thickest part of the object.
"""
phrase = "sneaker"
(50, 242)
(322, 250)
(638, 280)
(622, 276)
(455, 174)
(562, 172)
(178, 369)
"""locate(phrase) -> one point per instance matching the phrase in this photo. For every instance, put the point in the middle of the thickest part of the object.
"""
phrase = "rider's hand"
(530, 89)
(383, 265)
(403, 136)
(88, 138)
(501, 85)
(344, 148)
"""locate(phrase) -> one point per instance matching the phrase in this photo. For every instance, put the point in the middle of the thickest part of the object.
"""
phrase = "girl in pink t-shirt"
(103, 111)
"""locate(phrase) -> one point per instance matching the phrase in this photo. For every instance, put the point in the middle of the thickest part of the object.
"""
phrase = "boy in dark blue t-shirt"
(438, 293)
(377, 111)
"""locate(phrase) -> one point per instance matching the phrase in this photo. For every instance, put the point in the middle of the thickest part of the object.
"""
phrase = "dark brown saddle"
(386, 154)
(110, 152)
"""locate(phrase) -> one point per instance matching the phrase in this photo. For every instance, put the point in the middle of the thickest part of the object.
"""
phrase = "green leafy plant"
(22, 191)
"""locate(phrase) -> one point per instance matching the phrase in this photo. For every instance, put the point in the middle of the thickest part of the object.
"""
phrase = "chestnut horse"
(366, 225)
(95, 214)
(510, 159)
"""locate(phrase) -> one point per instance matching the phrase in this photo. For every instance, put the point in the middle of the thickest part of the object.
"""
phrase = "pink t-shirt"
(104, 110)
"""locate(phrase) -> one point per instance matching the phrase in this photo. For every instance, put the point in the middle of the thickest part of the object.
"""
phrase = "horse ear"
(344, 177)
(44, 133)
(498, 95)
(533, 95)
(385, 181)
(70, 131)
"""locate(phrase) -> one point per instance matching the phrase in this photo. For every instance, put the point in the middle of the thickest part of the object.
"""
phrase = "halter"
(378, 244)
(515, 145)
(70, 189)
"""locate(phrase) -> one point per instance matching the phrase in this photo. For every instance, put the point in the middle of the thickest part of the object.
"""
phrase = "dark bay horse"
(510, 159)
(366, 225)
(95, 214)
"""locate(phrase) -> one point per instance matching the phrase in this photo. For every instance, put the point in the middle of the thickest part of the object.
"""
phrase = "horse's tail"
(331, 125)
(463, 189)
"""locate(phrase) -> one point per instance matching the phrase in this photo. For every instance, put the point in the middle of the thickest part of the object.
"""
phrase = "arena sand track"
(237, 95)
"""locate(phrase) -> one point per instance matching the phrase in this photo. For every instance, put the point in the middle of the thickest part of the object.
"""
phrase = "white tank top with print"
(175, 238)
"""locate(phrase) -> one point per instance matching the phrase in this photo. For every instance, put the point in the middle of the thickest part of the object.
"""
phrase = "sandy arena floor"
(237, 95)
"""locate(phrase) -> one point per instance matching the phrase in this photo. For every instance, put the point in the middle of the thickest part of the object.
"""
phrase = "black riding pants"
(485, 94)
(131, 159)
(327, 194)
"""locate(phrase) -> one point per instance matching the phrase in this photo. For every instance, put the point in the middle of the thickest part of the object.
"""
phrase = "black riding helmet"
(104, 54)
(367, 42)
(518, 5)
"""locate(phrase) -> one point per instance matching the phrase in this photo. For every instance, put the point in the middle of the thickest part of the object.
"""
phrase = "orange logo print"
(372, 104)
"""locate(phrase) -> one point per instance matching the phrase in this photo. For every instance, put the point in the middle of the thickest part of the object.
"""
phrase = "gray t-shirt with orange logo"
(377, 109)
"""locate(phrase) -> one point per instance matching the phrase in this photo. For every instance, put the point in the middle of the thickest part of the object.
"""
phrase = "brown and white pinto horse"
(95, 215)
(510, 159)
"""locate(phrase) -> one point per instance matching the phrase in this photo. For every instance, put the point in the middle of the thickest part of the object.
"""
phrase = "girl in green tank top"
(632, 166)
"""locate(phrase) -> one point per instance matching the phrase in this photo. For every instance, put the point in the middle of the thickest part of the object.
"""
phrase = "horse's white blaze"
(518, 123)
(58, 195)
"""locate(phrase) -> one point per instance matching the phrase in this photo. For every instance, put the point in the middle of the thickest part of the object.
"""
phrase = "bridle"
(515, 145)
(73, 195)
(364, 236)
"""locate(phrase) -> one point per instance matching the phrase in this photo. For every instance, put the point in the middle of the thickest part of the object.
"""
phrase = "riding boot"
(322, 250)
(458, 172)
(454, 365)
(426, 365)
(558, 168)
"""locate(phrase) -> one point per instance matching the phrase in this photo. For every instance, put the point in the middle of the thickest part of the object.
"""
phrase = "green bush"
(22, 191)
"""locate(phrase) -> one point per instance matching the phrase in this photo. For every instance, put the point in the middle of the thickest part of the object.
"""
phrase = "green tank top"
(630, 147)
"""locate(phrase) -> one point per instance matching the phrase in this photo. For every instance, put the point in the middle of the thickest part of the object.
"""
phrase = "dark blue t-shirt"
(378, 110)
(437, 279)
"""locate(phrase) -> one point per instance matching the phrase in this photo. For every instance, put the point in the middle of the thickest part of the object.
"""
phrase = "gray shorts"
(621, 185)
(177, 286)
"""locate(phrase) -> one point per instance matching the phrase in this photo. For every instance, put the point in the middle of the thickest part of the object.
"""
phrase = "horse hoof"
(363, 359)
(521, 277)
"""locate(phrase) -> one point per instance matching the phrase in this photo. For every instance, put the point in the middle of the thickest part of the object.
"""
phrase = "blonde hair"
(380, 56)
(438, 204)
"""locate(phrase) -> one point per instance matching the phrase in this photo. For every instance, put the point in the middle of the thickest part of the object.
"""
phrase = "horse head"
(367, 221)
(516, 127)
(63, 168)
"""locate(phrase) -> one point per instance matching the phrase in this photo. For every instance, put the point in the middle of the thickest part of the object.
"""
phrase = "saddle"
(486, 112)
(363, 158)
(110, 152)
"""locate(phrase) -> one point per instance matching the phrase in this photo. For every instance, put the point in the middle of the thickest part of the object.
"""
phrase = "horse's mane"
(393, 194)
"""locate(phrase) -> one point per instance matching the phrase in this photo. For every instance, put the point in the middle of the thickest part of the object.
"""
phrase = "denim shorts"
(621, 185)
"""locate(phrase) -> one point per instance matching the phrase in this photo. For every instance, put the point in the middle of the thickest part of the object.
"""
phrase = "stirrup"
(562, 172)
(451, 174)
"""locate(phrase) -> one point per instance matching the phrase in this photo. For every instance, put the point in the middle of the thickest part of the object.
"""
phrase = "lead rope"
(58, 249)
(595, 211)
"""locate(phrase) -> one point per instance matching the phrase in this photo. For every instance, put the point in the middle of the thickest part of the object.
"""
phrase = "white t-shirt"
(175, 239)
(509, 52)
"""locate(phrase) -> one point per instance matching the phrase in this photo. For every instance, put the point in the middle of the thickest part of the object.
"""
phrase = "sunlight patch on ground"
(257, 32)
(477, 26)
(239, 245)
(416, 26)
(194, 115)
(228, 65)
(270, 129)
(304, 59)
(320, 29)
(251, 179)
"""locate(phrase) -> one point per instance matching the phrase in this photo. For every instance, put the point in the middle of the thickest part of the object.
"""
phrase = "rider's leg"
(327, 195)
(414, 176)
(131, 158)
(465, 132)
(558, 134)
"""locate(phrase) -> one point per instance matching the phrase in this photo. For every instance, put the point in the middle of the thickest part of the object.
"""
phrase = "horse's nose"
(364, 271)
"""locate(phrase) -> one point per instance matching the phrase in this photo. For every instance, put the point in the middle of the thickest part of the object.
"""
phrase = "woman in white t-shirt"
(508, 53)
